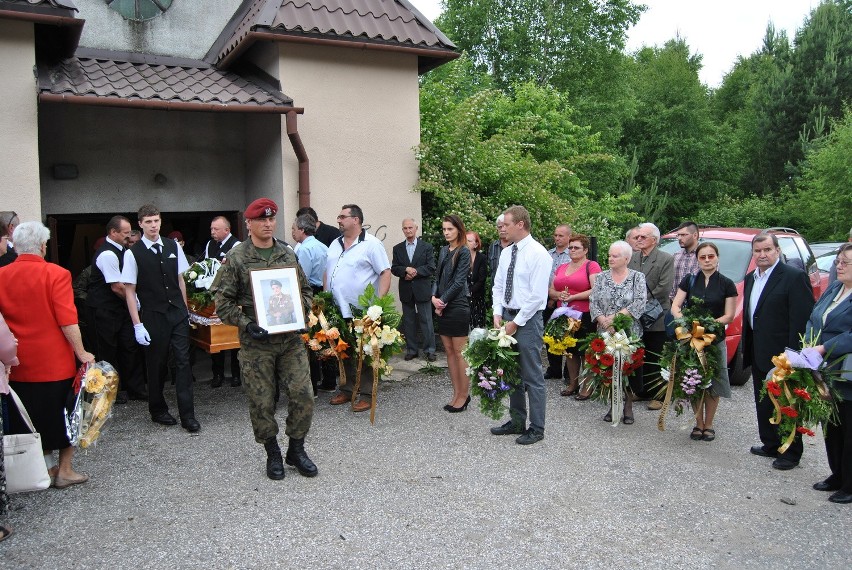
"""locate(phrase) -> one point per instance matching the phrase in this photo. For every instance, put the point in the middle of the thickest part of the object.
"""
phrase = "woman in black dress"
(476, 281)
(719, 295)
(452, 310)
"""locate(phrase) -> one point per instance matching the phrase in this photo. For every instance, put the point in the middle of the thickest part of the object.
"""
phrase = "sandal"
(5, 531)
(607, 417)
(696, 434)
(627, 420)
(581, 397)
(709, 435)
(566, 392)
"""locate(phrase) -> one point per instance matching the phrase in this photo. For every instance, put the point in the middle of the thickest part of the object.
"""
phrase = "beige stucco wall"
(360, 127)
(19, 184)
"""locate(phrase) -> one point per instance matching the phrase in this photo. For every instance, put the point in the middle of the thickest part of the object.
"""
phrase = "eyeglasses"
(575, 247)
(342, 217)
(707, 256)
(842, 263)
(642, 237)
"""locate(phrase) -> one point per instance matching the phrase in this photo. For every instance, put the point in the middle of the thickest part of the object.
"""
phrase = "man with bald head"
(414, 264)
(221, 242)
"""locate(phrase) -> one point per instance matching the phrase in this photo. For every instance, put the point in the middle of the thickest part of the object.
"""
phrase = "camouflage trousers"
(277, 362)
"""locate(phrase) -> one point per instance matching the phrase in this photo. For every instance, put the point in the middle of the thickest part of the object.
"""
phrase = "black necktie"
(157, 248)
(510, 275)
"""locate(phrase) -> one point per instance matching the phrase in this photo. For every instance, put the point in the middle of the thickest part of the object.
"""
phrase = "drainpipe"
(302, 156)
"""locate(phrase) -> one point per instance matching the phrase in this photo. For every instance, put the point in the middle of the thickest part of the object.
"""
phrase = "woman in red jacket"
(37, 302)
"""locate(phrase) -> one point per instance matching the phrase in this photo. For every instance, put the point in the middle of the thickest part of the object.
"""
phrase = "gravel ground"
(425, 489)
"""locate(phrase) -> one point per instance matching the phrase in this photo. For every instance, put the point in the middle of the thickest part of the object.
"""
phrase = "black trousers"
(838, 447)
(218, 359)
(170, 329)
(769, 436)
(649, 372)
(116, 343)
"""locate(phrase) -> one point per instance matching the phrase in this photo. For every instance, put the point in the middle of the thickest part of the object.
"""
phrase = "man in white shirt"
(355, 260)
(520, 296)
(152, 270)
(221, 242)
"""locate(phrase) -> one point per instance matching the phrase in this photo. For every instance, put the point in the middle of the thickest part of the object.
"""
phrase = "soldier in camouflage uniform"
(267, 362)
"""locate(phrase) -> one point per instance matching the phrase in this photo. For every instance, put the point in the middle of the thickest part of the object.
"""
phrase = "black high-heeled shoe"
(454, 410)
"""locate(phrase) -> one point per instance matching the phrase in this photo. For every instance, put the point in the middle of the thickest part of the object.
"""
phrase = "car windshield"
(734, 256)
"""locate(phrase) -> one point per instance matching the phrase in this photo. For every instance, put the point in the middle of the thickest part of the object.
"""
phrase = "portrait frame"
(277, 311)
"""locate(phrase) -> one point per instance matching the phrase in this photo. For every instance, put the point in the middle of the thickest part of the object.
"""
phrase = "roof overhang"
(428, 58)
(138, 81)
(57, 29)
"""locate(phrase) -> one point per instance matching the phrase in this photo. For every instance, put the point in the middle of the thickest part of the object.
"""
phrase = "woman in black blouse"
(719, 295)
(452, 309)
(476, 281)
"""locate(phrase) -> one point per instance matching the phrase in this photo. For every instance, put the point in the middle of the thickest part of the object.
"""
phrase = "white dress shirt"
(131, 271)
(760, 280)
(107, 262)
(531, 282)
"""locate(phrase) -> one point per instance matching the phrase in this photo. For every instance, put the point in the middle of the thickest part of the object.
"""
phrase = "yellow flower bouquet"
(98, 386)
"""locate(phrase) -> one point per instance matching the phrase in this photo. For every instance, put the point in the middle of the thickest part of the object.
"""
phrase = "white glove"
(142, 336)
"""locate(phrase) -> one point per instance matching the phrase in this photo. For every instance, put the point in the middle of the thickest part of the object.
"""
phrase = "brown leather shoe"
(361, 406)
(655, 405)
(340, 398)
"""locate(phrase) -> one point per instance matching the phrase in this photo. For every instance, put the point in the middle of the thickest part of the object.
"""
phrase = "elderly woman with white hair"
(37, 302)
(619, 290)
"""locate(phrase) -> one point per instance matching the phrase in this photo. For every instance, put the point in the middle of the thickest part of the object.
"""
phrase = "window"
(139, 10)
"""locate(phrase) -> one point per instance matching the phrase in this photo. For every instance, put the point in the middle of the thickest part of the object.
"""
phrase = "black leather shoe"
(509, 428)
(409, 356)
(825, 486)
(530, 436)
(430, 357)
(784, 464)
(121, 397)
(235, 382)
(217, 381)
(164, 418)
(274, 463)
(841, 497)
(550, 375)
(190, 424)
(296, 457)
(141, 396)
(761, 451)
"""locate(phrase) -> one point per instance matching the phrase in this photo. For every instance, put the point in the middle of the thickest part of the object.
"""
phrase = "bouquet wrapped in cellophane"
(96, 386)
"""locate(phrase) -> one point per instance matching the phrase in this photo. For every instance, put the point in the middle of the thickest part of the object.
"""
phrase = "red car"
(735, 262)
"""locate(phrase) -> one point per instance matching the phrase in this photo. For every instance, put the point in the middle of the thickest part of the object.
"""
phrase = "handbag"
(23, 457)
(653, 311)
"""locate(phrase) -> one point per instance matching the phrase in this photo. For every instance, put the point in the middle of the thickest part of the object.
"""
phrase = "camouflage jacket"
(232, 285)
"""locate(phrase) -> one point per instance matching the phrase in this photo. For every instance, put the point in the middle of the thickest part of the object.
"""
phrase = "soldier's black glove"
(256, 332)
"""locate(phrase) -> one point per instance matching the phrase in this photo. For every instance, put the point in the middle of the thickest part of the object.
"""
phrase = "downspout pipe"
(302, 156)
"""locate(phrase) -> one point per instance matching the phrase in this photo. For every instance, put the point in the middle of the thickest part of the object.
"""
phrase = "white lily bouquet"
(198, 279)
(493, 368)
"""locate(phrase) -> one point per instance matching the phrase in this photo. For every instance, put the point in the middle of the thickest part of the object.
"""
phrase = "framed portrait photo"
(277, 299)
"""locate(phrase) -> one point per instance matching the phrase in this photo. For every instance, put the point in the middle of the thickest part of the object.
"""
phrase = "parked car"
(826, 247)
(825, 261)
(736, 261)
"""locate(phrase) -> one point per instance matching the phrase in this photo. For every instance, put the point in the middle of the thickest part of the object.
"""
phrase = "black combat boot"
(297, 458)
(274, 464)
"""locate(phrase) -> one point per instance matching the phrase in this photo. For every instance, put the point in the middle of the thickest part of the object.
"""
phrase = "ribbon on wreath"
(337, 344)
(696, 338)
(667, 400)
(370, 330)
(618, 345)
(777, 384)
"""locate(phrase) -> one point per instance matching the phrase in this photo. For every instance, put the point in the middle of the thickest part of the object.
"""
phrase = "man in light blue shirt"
(311, 252)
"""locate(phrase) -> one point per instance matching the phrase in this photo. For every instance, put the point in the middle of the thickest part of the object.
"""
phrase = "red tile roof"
(155, 81)
(386, 22)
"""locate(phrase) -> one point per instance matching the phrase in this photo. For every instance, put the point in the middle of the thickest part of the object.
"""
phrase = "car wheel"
(737, 374)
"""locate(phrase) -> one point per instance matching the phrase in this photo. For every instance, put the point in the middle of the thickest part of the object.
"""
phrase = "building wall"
(186, 29)
(361, 124)
(19, 184)
(120, 152)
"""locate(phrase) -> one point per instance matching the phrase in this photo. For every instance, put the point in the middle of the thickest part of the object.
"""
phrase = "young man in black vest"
(107, 312)
(152, 270)
(221, 242)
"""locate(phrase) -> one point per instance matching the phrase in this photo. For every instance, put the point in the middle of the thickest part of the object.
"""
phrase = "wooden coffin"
(214, 338)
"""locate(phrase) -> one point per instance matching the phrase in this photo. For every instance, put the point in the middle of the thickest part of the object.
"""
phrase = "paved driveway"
(426, 489)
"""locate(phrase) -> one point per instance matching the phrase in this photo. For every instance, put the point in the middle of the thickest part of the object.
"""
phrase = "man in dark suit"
(777, 301)
(414, 264)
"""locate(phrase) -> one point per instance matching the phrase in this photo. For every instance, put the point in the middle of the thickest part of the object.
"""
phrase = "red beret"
(176, 235)
(261, 208)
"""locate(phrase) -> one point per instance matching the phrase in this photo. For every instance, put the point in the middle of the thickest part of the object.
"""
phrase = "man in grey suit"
(414, 264)
(658, 268)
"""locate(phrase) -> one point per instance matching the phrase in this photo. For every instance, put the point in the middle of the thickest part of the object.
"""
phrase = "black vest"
(99, 293)
(157, 277)
(218, 252)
